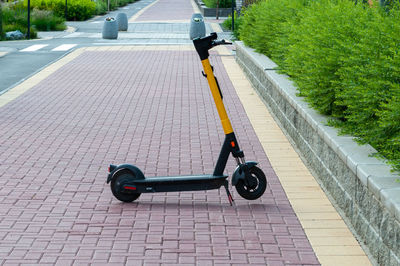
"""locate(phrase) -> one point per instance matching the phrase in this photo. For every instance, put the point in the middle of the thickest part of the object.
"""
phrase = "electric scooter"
(128, 181)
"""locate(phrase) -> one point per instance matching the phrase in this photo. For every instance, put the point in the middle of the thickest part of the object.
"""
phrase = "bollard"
(197, 26)
(110, 28)
(122, 20)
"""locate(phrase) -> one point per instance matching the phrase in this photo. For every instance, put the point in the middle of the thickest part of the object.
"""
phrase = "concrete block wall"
(363, 187)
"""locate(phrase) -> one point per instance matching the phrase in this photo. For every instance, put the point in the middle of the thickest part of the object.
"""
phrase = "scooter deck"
(176, 183)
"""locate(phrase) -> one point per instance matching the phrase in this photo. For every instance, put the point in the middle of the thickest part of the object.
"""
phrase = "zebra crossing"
(59, 48)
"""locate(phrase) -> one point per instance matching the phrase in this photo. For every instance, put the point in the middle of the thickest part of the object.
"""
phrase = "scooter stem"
(202, 46)
(226, 123)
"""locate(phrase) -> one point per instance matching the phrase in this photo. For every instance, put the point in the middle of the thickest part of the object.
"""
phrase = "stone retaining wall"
(362, 186)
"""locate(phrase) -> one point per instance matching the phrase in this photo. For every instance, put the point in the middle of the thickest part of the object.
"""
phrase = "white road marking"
(64, 47)
(72, 35)
(33, 48)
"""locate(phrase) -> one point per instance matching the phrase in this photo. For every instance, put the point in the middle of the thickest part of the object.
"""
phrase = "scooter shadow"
(196, 205)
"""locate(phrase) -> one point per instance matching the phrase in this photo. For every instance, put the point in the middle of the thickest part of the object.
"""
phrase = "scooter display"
(128, 181)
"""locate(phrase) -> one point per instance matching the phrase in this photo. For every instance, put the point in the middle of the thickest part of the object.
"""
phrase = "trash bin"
(122, 20)
(197, 26)
(110, 28)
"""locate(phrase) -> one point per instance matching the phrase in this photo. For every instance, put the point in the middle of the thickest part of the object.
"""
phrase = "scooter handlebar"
(204, 44)
(220, 42)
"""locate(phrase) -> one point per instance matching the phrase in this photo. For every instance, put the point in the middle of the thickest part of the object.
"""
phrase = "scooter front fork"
(240, 160)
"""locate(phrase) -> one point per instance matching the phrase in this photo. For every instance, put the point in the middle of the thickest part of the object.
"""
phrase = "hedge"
(227, 24)
(222, 3)
(343, 57)
(77, 9)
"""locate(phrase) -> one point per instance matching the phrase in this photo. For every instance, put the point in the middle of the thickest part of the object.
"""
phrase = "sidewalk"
(151, 106)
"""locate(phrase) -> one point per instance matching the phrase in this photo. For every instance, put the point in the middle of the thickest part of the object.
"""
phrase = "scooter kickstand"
(231, 201)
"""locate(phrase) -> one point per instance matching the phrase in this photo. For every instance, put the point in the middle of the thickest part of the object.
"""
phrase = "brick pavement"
(167, 10)
(151, 108)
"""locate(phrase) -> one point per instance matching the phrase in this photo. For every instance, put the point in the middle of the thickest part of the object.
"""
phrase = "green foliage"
(373, 97)
(14, 17)
(266, 25)
(344, 58)
(44, 20)
(222, 3)
(77, 9)
(227, 24)
(319, 44)
(101, 7)
(21, 28)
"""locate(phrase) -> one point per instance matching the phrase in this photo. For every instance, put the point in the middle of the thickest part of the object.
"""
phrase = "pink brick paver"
(152, 109)
(165, 10)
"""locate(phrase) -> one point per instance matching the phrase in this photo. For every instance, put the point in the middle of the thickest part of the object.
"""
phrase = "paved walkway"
(150, 106)
(167, 10)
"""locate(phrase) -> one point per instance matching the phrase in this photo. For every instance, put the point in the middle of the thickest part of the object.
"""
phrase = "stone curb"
(363, 187)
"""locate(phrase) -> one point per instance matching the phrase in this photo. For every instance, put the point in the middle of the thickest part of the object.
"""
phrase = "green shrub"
(77, 9)
(44, 20)
(101, 7)
(222, 3)
(227, 24)
(327, 31)
(16, 19)
(343, 57)
(21, 28)
(370, 78)
(266, 24)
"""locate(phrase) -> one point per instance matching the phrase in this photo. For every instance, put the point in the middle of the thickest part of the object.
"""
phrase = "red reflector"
(233, 144)
(130, 188)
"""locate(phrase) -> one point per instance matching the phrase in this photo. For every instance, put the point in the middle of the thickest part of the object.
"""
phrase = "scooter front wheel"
(117, 186)
(254, 186)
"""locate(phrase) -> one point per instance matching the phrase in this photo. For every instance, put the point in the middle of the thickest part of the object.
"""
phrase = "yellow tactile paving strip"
(216, 27)
(329, 236)
(195, 7)
(138, 14)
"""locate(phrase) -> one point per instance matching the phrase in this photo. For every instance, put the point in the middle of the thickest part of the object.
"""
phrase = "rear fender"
(239, 173)
(133, 169)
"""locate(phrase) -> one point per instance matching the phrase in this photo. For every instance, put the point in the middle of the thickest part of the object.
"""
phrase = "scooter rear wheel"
(119, 180)
(254, 187)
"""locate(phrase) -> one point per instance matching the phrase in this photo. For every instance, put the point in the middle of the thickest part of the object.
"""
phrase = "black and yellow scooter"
(128, 182)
